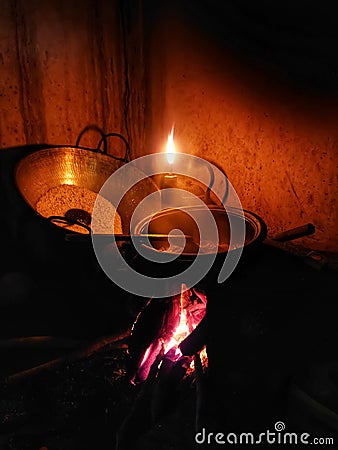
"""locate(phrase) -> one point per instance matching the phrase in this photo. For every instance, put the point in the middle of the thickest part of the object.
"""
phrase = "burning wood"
(158, 366)
(164, 324)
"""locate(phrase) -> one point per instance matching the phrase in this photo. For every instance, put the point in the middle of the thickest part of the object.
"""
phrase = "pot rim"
(254, 219)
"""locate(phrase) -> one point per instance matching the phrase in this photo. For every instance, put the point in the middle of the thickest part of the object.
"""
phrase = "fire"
(170, 150)
(185, 312)
(190, 317)
(181, 332)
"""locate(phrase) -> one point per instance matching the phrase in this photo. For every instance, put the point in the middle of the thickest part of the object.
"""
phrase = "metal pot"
(167, 220)
(256, 233)
(41, 170)
(170, 219)
(256, 239)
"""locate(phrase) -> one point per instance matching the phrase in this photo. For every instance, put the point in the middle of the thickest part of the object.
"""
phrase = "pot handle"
(93, 128)
(295, 233)
(126, 157)
(212, 181)
(68, 221)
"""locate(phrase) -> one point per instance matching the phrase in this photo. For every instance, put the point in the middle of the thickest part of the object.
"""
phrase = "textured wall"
(273, 129)
(67, 64)
(220, 71)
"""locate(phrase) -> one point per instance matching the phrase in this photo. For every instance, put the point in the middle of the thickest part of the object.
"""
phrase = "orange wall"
(277, 143)
(65, 65)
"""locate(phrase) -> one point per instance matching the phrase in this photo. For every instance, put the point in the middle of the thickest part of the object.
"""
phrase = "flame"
(192, 310)
(170, 150)
(181, 332)
(184, 328)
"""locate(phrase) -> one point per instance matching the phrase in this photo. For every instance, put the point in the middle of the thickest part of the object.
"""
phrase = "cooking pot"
(229, 222)
(43, 170)
(238, 231)
(165, 221)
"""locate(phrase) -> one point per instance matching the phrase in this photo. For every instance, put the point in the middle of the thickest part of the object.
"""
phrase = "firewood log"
(138, 421)
(165, 389)
(196, 340)
(116, 341)
(154, 324)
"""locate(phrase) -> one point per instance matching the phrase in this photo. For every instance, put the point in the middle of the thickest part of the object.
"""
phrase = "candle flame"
(171, 147)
